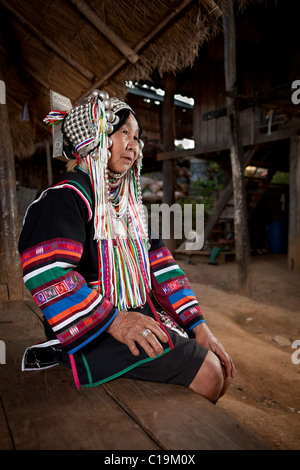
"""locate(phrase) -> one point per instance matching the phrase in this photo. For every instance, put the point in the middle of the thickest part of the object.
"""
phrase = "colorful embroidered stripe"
(69, 337)
(168, 273)
(75, 312)
(172, 289)
(64, 245)
(54, 254)
(114, 376)
(181, 297)
(47, 273)
(51, 292)
(81, 302)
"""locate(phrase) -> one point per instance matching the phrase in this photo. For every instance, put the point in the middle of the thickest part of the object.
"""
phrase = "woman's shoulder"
(78, 177)
(77, 180)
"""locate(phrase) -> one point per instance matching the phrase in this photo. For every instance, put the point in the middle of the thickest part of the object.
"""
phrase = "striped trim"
(56, 245)
(74, 370)
(70, 185)
(44, 269)
(54, 254)
(75, 312)
(118, 374)
(189, 304)
(82, 308)
(165, 270)
(52, 292)
(92, 337)
(84, 197)
(46, 274)
(153, 263)
(172, 288)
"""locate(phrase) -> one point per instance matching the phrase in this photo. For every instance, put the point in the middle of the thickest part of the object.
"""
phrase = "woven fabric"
(62, 267)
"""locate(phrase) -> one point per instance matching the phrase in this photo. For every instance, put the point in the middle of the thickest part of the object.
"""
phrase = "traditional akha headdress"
(81, 133)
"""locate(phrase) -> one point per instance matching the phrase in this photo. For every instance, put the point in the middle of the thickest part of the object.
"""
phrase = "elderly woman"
(114, 301)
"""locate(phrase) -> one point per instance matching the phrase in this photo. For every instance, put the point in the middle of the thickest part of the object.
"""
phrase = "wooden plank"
(204, 150)
(6, 442)
(177, 418)
(45, 411)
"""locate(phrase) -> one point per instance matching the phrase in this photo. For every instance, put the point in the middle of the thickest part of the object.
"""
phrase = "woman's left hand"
(205, 337)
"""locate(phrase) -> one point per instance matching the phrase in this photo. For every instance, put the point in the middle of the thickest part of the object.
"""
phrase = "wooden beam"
(197, 105)
(94, 19)
(294, 206)
(200, 151)
(49, 162)
(10, 266)
(67, 57)
(212, 8)
(242, 241)
(140, 46)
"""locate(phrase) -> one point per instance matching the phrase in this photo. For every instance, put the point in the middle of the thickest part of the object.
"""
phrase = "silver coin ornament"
(80, 126)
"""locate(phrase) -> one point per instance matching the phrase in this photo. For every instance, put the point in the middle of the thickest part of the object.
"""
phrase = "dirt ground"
(258, 333)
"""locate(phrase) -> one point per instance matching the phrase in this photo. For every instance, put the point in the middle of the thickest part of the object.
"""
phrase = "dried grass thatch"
(52, 45)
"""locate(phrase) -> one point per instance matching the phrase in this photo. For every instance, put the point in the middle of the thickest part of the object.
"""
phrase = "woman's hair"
(123, 115)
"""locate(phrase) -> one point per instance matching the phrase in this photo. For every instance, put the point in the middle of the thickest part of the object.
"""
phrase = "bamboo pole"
(10, 264)
(242, 242)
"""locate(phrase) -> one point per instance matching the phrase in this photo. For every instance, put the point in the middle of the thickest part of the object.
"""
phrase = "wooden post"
(242, 243)
(197, 118)
(49, 162)
(11, 281)
(294, 205)
(168, 129)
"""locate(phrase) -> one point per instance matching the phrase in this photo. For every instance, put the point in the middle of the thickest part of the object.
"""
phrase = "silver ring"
(146, 332)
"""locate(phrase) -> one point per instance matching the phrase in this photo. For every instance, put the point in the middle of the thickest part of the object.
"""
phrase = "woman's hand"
(128, 328)
(205, 337)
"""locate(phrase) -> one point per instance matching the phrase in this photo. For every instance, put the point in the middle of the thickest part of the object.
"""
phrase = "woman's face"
(125, 146)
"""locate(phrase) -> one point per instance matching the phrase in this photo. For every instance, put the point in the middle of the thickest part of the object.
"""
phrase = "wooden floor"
(42, 410)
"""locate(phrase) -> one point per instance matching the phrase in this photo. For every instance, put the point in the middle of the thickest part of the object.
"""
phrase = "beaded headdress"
(82, 133)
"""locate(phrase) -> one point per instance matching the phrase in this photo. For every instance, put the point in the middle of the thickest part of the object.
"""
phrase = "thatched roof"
(74, 46)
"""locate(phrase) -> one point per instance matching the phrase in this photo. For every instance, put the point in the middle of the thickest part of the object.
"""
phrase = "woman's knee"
(209, 381)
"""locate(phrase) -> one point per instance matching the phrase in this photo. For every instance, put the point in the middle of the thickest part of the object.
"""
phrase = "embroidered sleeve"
(51, 247)
(171, 287)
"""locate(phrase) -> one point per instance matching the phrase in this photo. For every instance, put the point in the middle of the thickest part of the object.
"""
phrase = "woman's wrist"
(201, 328)
(115, 323)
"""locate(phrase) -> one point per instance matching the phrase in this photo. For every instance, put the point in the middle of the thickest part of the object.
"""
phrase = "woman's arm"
(205, 337)
(51, 246)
